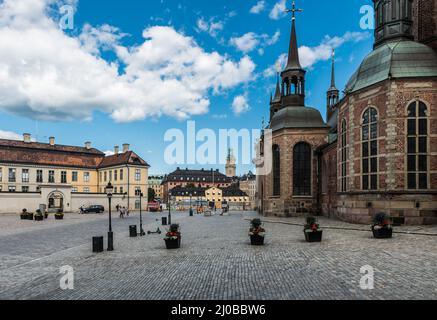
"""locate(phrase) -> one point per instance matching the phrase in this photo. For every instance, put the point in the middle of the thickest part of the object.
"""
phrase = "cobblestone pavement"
(216, 261)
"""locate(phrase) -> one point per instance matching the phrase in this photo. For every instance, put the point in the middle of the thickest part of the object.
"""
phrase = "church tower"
(333, 94)
(394, 21)
(231, 167)
(275, 102)
(293, 76)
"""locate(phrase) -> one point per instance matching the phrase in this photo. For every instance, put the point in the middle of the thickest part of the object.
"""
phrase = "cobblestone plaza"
(216, 261)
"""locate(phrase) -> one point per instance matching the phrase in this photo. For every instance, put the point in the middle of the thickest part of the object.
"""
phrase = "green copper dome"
(297, 117)
(400, 59)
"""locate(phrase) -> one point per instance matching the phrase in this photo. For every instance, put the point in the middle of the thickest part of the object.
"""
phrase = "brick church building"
(377, 151)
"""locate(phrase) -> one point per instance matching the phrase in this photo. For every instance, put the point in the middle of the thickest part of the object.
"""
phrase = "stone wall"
(328, 180)
(288, 204)
(391, 99)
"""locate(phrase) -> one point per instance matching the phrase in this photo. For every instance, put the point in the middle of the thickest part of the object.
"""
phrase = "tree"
(151, 194)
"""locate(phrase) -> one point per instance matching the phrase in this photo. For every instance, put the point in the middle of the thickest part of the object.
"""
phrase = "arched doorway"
(56, 201)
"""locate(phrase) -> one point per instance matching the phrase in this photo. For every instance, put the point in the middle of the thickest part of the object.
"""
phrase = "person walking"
(121, 213)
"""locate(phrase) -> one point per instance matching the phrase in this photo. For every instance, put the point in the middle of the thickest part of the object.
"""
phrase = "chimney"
(26, 137)
(88, 145)
(126, 147)
(52, 141)
(116, 149)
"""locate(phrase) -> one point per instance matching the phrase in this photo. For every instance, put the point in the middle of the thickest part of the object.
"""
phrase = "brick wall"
(425, 18)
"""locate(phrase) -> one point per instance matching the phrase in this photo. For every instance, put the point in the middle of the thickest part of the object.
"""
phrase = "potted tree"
(59, 215)
(39, 216)
(173, 237)
(23, 214)
(382, 227)
(256, 233)
(312, 230)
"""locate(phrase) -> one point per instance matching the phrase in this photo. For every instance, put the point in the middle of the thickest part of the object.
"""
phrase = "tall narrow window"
(370, 149)
(302, 169)
(137, 174)
(51, 176)
(1, 174)
(25, 175)
(343, 156)
(74, 176)
(39, 176)
(276, 171)
(417, 153)
(86, 177)
(63, 176)
(12, 175)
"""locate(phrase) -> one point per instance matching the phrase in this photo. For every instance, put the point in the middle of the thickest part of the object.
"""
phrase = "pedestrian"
(117, 207)
(127, 212)
(122, 213)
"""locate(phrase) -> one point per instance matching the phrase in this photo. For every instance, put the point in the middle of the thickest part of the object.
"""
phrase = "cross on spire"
(293, 10)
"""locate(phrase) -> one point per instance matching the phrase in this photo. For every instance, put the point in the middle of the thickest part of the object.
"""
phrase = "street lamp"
(169, 209)
(142, 233)
(191, 206)
(109, 190)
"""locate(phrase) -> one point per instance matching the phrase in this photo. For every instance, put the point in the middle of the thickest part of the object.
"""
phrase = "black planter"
(23, 216)
(39, 218)
(30, 216)
(257, 240)
(97, 244)
(173, 244)
(384, 233)
(59, 217)
(315, 236)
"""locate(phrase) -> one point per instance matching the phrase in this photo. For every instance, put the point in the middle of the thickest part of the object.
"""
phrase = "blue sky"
(240, 46)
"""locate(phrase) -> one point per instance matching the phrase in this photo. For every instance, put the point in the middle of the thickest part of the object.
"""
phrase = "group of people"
(123, 211)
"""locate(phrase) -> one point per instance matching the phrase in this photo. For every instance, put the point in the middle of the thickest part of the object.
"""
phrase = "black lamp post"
(169, 209)
(191, 206)
(142, 233)
(109, 190)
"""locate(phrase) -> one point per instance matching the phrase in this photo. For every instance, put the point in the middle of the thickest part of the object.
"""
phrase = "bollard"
(133, 231)
(164, 221)
(97, 244)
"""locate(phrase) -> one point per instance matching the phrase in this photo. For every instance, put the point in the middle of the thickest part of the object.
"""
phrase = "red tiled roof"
(44, 154)
(34, 153)
(129, 157)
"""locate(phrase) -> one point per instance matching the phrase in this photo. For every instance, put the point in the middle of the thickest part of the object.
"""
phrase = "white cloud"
(9, 135)
(250, 41)
(240, 105)
(309, 56)
(245, 43)
(278, 10)
(212, 27)
(48, 75)
(258, 8)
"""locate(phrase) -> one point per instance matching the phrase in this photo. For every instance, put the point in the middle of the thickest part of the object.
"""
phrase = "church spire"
(277, 96)
(333, 94)
(293, 77)
(293, 52)
(333, 87)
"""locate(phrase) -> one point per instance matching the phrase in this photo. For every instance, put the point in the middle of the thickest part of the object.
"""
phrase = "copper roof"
(35, 153)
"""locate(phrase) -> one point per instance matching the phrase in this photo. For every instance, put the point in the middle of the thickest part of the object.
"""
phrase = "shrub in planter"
(256, 233)
(312, 230)
(59, 215)
(382, 227)
(24, 214)
(173, 237)
(39, 216)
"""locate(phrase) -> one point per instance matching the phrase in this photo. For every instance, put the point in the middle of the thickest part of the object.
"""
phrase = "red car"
(154, 207)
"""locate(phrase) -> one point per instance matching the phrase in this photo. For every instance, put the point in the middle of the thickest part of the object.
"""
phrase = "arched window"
(370, 150)
(343, 156)
(417, 153)
(276, 171)
(302, 169)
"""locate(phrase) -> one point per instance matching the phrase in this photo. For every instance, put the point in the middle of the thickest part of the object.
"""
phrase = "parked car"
(93, 209)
